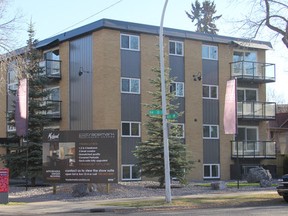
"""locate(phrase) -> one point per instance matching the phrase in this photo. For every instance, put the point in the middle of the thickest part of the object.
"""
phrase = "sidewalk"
(40, 208)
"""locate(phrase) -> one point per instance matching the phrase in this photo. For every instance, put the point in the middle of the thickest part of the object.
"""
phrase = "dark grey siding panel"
(128, 147)
(81, 86)
(210, 111)
(211, 151)
(181, 108)
(131, 107)
(177, 68)
(210, 72)
(130, 64)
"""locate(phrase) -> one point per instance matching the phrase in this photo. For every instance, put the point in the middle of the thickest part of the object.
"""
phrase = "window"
(12, 78)
(247, 94)
(211, 171)
(179, 130)
(51, 63)
(178, 88)
(176, 48)
(53, 100)
(250, 136)
(129, 85)
(130, 172)
(210, 91)
(210, 131)
(129, 42)
(244, 62)
(130, 129)
(209, 52)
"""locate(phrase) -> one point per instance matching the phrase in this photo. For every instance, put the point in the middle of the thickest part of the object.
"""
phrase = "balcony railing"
(253, 71)
(54, 111)
(253, 149)
(256, 110)
(51, 68)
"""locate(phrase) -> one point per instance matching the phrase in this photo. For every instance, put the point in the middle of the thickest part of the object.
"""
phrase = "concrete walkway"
(40, 208)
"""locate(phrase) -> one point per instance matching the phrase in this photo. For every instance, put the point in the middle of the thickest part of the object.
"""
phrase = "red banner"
(21, 112)
(230, 108)
(4, 180)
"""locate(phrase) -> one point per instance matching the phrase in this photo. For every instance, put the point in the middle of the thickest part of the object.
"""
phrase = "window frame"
(246, 141)
(175, 50)
(209, 52)
(183, 129)
(210, 131)
(210, 90)
(130, 128)
(210, 171)
(130, 80)
(177, 88)
(130, 172)
(129, 42)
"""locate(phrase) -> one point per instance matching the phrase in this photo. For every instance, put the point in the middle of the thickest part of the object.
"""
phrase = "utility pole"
(164, 111)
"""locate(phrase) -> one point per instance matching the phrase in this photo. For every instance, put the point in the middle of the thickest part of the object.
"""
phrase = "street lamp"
(164, 111)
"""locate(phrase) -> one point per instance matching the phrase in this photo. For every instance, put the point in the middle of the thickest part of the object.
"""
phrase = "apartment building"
(101, 75)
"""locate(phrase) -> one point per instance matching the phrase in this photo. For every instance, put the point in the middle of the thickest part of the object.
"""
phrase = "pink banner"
(21, 112)
(4, 180)
(230, 108)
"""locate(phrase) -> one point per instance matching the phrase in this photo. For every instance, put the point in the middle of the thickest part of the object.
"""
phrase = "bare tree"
(271, 14)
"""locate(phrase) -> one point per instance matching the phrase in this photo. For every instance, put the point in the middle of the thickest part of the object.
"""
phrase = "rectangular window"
(53, 100)
(210, 91)
(209, 52)
(178, 88)
(130, 172)
(211, 171)
(130, 129)
(179, 131)
(210, 131)
(129, 42)
(176, 48)
(129, 85)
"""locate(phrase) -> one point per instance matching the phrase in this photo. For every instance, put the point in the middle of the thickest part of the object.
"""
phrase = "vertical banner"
(4, 180)
(230, 108)
(21, 110)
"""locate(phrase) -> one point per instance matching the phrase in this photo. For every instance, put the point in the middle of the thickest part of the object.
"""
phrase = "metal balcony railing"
(254, 149)
(253, 71)
(256, 110)
(51, 68)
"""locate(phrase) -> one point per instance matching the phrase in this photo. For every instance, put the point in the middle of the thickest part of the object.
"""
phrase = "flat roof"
(148, 29)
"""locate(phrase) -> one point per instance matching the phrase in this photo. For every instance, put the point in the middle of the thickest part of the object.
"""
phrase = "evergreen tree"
(150, 153)
(204, 16)
(25, 159)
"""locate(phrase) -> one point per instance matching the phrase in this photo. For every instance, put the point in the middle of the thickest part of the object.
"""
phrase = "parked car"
(283, 188)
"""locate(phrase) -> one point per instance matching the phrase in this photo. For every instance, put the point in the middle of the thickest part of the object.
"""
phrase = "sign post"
(4, 185)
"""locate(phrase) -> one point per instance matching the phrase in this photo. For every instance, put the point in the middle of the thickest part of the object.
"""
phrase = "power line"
(110, 6)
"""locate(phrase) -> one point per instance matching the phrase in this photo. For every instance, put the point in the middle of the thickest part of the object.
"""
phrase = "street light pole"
(164, 111)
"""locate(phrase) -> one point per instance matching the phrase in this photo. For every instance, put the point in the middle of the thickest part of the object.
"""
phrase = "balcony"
(54, 111)
(51, 68)
(254, 149)
(257, 72)
(255, 110)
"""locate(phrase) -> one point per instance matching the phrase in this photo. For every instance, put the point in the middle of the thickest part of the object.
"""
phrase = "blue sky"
(52, 17)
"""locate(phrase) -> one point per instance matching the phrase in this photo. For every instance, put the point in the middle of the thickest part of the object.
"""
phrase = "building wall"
(193, 106)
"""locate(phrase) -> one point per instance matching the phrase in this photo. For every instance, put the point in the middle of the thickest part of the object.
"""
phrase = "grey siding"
(210, 72)
(211, 111)
(177, 68)
(128, 147)
(130, 103)
(131, 107)
(211, 151)
(81, 86)
(130, 64)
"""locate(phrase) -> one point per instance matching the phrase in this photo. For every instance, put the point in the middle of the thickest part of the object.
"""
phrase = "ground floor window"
(211, 171)
(130, 172)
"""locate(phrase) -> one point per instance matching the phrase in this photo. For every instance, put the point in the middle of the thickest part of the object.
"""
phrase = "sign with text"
(80, 156)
